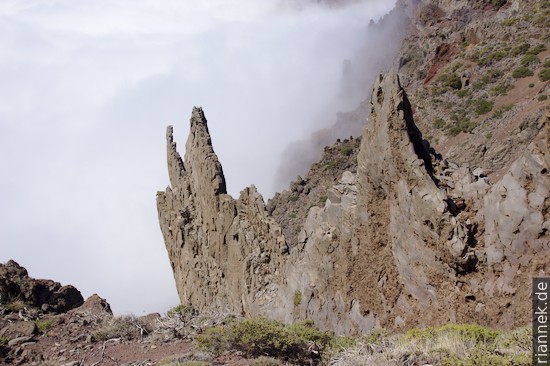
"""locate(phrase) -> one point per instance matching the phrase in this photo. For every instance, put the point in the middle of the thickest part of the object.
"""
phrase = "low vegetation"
(44, 325)
(4, 340)
(452, 344)
(522, 72)
(300, 342)
(124, 327)
(12, 304)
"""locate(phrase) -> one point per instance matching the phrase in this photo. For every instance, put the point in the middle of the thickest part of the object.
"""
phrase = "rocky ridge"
(407, 240)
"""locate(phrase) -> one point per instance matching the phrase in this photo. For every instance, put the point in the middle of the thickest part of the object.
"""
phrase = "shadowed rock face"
(47, 295)
(409, 239)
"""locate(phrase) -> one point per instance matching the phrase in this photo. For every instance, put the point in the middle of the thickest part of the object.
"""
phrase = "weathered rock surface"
(226, 254)
(408, 239)
(94, 305)
(48, 295)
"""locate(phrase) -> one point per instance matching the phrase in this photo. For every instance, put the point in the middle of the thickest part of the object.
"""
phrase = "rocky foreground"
(87, 334)
(44, 323)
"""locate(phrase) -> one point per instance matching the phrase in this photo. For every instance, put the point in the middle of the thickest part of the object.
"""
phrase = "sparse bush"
(181, 310)
(529, 59)
(493, 57)
(452, 344)
(44, 325)
(479, 85)
(451, 80)
(546, 63)
(4, 340)
(346, 150)
(12, 304)
(509, 22)
(462, 93)
(187, 359)
(482, 106)
(531, 85)
(544, 74)
(521, 49)
(265, 361)
(297, 298)
(439, 123)
(522, 72)
(491, 76)
(471, 332)
(501, 88)
(542, 97)
(498, 3)
(125, 327)
(536, 50)
(340, 343)
(500, 111)
(255, 337)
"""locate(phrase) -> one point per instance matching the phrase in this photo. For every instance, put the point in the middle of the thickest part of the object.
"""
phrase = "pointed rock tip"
(170, 133)
(198, 115)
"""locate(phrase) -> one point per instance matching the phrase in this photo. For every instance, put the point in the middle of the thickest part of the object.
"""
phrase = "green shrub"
(531, 85)
(339, 343)
(462, 93)
(536, 50)
(542, 97)
(498, 3)
(529, 59)
(255, 337)
(44, 325)
(502, 88)
(492, 57)
(522, 72)
(4, 340)
(439, 123)
(479, 85)
(182, 310)
(484, 357)
(346, 150)
(544, 74)
(509, 22)
(491, 76)
(297, 298)
(376, 335)
(454, 81)
(521, 49)
(500, 111)
(482, 106)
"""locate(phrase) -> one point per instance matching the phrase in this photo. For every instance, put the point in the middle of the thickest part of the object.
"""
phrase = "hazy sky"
(87, 89)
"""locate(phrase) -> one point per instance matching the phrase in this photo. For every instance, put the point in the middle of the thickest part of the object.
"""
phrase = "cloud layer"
(87, 90)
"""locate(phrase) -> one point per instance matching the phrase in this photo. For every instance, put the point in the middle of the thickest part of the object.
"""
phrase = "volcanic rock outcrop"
(409, 239)
(47, 295)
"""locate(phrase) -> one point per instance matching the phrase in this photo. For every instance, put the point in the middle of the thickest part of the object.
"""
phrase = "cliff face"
(408, 239)
(226, 254)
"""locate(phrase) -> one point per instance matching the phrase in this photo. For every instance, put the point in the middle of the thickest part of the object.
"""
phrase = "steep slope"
(407, 240)
(386, 229)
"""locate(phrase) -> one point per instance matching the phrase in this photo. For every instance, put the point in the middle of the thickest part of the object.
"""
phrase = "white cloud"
(87, 90)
